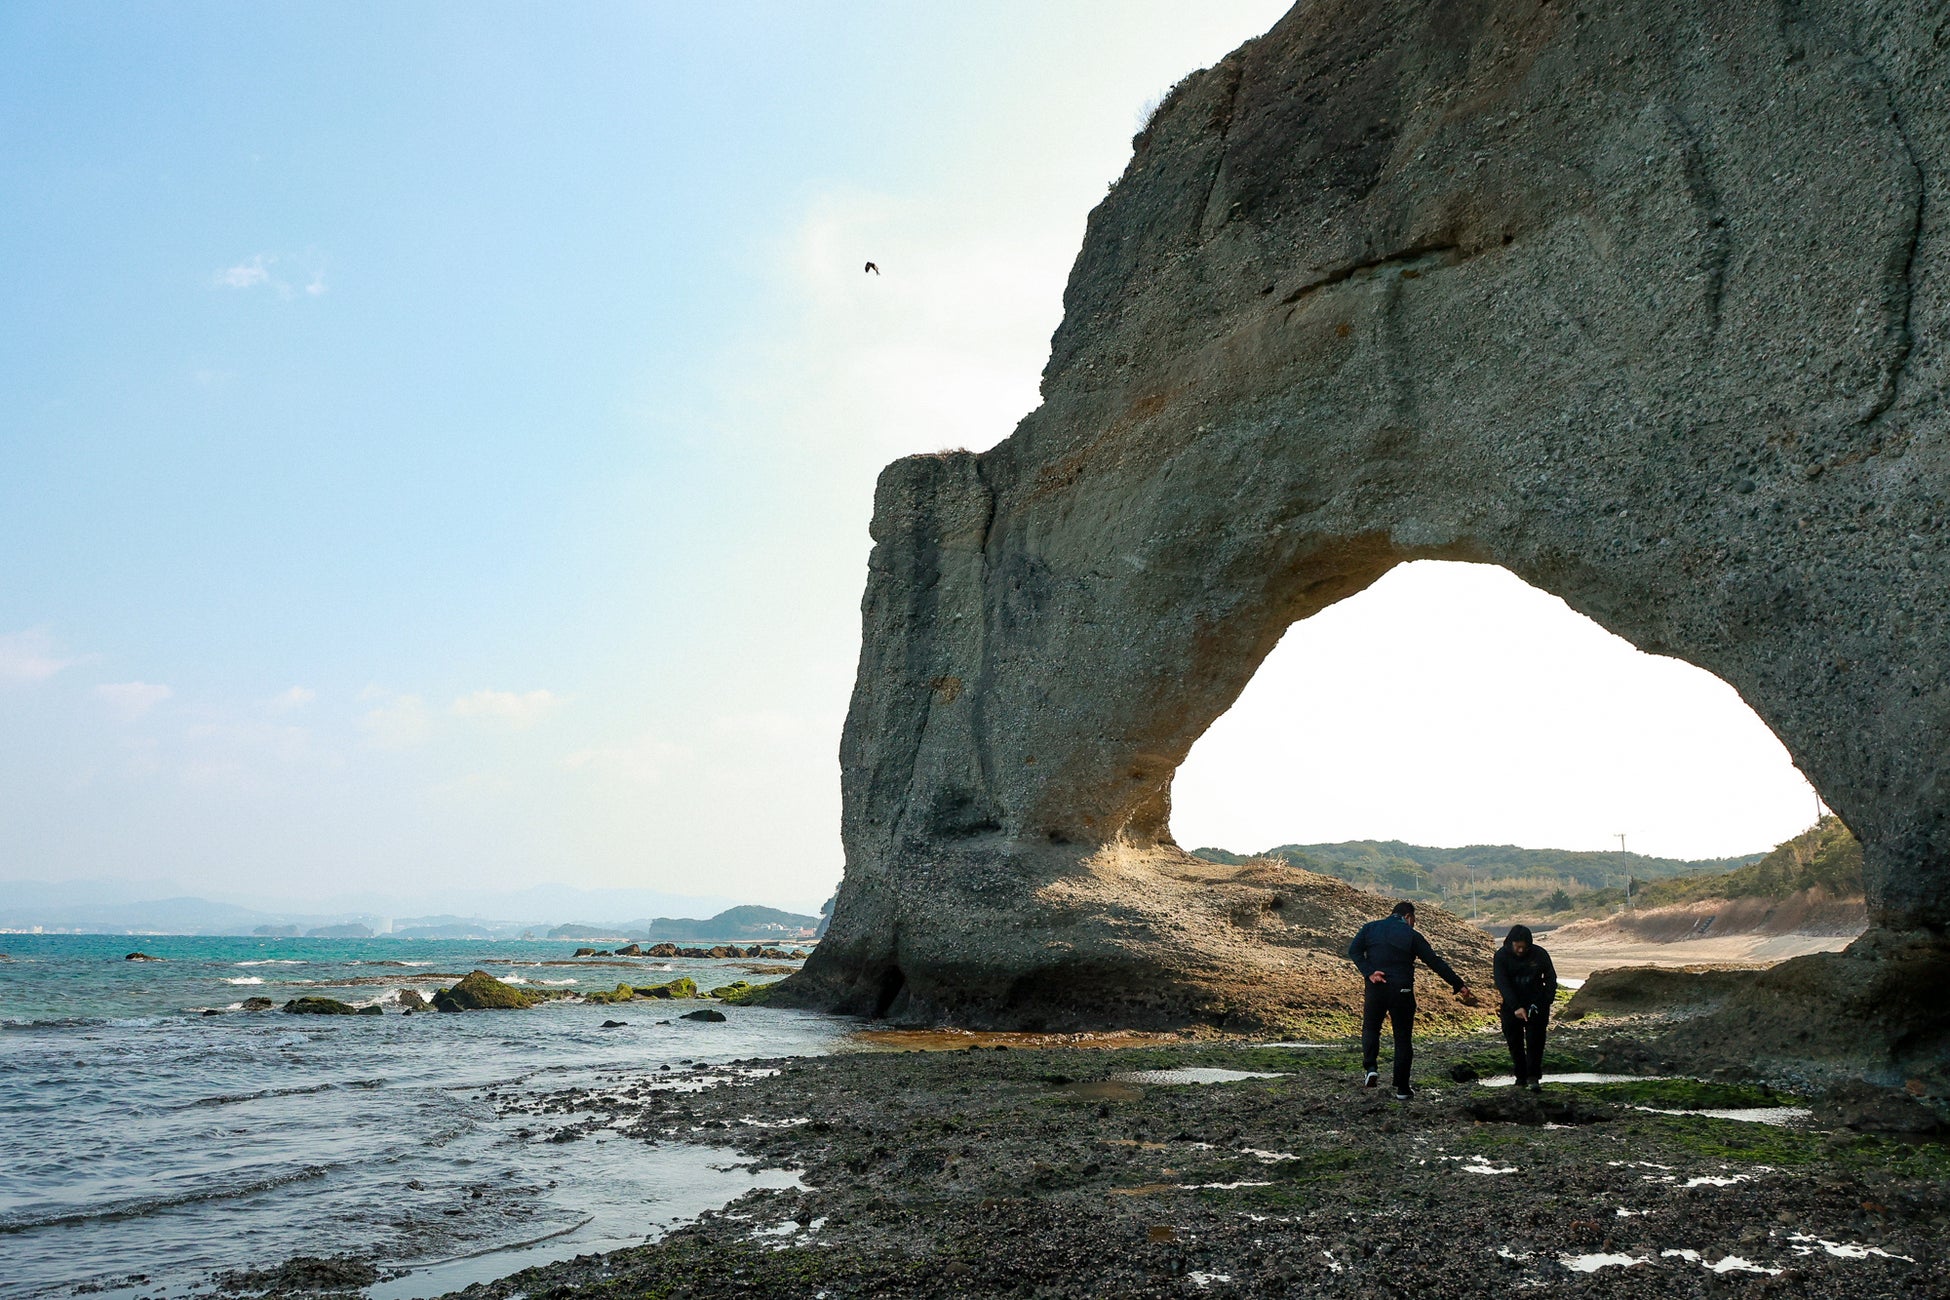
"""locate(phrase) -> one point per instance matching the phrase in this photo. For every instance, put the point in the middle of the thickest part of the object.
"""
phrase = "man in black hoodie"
(1386, 950)
(1526, 984)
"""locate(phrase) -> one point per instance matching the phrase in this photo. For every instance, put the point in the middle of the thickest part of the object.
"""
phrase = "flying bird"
(873, 268)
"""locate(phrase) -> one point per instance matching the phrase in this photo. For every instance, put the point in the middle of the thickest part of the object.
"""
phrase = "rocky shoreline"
(1060, 1170)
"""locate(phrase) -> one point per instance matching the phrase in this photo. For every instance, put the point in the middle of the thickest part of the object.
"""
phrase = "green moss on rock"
(320, 1007)
(480, 991)
(685, 987)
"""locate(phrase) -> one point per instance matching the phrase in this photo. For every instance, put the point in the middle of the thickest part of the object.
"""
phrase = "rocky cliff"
(1645, 302)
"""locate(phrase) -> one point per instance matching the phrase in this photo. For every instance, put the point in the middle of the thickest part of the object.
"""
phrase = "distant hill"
(1489, 880)
(1826, 856)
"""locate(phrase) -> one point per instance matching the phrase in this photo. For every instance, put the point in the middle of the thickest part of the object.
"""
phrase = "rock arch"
(1643, 302)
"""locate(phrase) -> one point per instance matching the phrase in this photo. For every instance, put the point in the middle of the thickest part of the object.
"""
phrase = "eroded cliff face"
(1644, 302)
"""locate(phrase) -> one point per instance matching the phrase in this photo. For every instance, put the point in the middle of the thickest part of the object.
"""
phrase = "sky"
(437, 444)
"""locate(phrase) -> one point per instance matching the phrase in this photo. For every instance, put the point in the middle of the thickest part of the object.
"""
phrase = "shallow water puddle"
(1725, 1264)
(1803, 1244)
(1194, 1074)
(1506, 1080)
(1779, 1116)
(963, 1040)
(1592, 1263)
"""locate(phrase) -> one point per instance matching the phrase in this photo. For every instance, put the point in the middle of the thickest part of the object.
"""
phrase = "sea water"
(147, 1145)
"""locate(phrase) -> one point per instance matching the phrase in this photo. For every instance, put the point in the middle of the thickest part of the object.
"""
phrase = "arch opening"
(1452, 703)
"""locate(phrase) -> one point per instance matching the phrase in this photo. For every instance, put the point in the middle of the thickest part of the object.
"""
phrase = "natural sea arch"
(1648, 304)
(1452, 704)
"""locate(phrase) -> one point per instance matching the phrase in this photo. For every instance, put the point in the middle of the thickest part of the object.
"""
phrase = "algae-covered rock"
(371, 1010)
(742, 994)
(410, 1000)
(621, 993)
(480, 991)
(258, 1004)
(320, 1007)
(684, 987)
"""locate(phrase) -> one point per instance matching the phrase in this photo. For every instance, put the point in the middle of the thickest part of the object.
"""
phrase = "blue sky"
(436, 441)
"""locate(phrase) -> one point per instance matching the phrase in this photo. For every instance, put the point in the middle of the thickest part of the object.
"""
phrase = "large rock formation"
(1645, 302)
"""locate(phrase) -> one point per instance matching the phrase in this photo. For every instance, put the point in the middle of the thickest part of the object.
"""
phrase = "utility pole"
(1620, 837)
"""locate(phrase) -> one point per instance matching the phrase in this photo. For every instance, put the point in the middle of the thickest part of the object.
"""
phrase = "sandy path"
(1577, 958)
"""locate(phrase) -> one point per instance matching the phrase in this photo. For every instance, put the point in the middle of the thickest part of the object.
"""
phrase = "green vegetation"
(1826, 857)
(1685, 1094)
(1503, 882)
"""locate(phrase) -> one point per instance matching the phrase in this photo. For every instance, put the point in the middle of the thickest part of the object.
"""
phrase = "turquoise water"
(148, 1144)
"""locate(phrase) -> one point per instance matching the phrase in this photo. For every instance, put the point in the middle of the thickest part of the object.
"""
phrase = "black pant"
(1399, 1006)
(1526, 1040)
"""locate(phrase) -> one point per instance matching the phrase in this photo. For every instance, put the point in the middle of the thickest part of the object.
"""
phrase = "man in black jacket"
(1526, 984)
(1386, 950)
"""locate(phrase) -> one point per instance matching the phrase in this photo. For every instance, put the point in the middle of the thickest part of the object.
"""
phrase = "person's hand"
(1522, 1014)
(1467, 996)
(1378, 978)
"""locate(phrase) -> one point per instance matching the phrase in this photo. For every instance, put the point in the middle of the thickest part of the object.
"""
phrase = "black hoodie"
(1526, 981)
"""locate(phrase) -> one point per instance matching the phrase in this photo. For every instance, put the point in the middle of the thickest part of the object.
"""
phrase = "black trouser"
(1399, 1006)
(1526, 1040)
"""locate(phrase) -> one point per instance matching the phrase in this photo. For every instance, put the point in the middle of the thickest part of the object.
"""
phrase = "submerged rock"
(140, 956)
(480, 991)
(303, 1275)
(616, 1024)
(703, 1013)
(258, 1004)
(320, 1007)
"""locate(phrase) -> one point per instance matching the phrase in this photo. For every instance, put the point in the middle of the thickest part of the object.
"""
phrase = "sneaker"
(1522, 1082)
(1535, 1085)
(1374, 1077)
(1403, 1094)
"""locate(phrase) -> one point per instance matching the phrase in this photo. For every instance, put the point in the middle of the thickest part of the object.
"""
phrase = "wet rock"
(594, 952)
(480, 991)
(1517, 1106)
(258, 1004)
(663, 950)
(683, 987)
(212, 1011)
(1864, 1107)
(1631, 990)
(372, 1010)
(410, 1000)
(320, 1007)
(303, 1275)
(627, 950)
(615, 1024)
(140, 956)
(704, 1013)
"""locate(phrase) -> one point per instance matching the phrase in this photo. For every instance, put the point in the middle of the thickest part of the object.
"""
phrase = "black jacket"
(1391, 946)
(1526, 981)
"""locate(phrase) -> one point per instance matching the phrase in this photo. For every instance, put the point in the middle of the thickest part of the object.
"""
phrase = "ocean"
(148, 1145)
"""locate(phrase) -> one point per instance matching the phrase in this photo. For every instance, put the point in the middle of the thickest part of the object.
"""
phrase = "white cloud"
(641, 761)
(259, 271)
(131, 700)
(297, 697)
(247, 274)
(402, 722)
(517, 709)
(29, 656)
